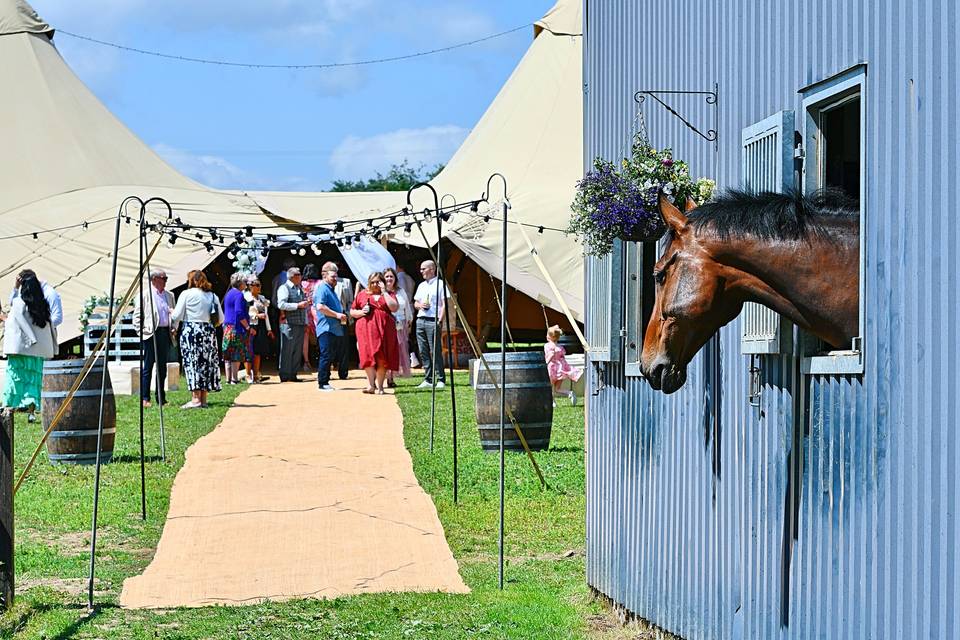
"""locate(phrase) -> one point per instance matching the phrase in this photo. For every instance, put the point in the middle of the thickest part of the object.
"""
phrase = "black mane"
(772, 216)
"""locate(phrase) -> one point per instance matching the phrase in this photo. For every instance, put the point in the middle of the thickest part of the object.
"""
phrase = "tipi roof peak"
(17, 16)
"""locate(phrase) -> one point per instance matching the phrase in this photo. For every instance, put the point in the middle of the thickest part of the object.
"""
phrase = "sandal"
(369, 391)
(381, 392)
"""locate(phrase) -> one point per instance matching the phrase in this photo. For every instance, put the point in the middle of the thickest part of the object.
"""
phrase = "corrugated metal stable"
(764, 523)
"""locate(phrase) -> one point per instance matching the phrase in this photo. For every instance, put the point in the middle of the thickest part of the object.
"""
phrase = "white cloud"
(213, 171)
(357, 158)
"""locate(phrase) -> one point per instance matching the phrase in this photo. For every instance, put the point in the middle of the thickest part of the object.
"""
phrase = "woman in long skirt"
(28, 340)
(236, 324)
(376, 332)
(199, 311)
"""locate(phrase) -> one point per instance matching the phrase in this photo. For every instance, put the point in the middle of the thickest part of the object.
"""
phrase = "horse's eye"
(660, 277)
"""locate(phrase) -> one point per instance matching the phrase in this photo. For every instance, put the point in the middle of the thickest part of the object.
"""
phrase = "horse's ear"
(671, 215)
(690, 205)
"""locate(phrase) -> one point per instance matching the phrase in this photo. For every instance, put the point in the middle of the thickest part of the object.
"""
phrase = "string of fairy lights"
(298, 238)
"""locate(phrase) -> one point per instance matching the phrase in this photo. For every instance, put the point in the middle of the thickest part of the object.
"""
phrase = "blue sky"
(294, 129)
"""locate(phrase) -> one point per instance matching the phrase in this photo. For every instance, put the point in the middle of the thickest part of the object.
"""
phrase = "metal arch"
(710, 97)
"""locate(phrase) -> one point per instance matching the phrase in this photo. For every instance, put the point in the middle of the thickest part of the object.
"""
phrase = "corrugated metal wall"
(722, 529)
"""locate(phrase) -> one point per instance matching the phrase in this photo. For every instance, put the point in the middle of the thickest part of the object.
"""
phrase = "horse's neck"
(813, 281)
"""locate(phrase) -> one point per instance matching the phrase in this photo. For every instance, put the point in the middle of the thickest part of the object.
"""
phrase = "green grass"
(545, 596)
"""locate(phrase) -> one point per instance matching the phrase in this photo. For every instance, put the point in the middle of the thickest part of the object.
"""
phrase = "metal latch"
(756, 388)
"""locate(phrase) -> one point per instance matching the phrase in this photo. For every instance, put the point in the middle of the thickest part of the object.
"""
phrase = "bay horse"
(796, 254)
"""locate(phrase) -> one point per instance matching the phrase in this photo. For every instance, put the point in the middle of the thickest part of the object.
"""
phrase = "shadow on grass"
(84, 619)
(27, 608)
(565, 450)
(132, 458)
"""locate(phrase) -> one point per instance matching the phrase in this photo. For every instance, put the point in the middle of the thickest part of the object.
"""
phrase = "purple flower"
(668, 162)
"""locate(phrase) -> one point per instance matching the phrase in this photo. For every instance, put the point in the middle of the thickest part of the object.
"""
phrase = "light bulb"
(406, 230)
(302, 252)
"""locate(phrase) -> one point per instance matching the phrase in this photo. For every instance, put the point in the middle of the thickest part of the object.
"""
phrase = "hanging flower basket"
(622, 202)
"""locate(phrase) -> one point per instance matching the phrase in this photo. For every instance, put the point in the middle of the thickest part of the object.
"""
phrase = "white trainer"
(440, 384)
(327, 387)
(424, 385)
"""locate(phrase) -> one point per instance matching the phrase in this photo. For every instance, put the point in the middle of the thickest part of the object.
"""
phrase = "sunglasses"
(159, 277)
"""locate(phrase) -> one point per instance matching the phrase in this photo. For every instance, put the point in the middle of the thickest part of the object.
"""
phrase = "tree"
(400, 177)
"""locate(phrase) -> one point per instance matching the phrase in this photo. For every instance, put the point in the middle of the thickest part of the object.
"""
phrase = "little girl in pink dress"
(557, 366)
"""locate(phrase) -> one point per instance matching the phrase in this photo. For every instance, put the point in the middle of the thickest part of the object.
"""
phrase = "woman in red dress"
(376, 332)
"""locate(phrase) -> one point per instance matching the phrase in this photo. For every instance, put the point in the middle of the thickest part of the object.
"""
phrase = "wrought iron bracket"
(710, 97)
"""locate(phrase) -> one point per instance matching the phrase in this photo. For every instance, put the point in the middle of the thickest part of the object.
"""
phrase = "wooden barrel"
(529, 396)
(74, 440)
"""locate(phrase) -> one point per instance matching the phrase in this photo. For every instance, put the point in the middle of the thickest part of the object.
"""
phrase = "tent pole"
(453, 394)
(143, 217)
(503, 371)
(103, 393)
(163, 443)
(143, 364)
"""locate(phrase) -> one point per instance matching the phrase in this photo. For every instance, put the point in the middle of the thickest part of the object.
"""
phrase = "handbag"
(214, 310)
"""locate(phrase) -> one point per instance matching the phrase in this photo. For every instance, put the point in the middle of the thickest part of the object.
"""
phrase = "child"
(557, 366)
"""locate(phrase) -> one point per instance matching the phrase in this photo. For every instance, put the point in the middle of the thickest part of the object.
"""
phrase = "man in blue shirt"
(330, 324)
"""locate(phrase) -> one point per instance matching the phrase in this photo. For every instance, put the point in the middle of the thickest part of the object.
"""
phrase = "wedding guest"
(236, 323)
(376, 332)
(430, 308)
(330, 324)
(198, 312)
(311, 277)
(157, 330)
(49, 294)
(275, 284)
(261, 331)
(344, 291)
(404, 318)
(409, 287)
(29, 339)
(293, 305)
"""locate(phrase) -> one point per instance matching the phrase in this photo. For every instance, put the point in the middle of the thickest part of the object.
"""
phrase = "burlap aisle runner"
(297, 494)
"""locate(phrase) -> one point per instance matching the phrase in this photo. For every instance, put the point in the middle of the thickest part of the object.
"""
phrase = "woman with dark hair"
(373, 309)
(199, 311)
(311, 278)
(29, 339)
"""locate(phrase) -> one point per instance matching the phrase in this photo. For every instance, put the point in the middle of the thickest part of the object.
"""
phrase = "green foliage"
(546, 596)
(622, 201)
(92, 303)
(400, 177)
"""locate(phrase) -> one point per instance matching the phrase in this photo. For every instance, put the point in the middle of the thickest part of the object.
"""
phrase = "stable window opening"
(834, 158)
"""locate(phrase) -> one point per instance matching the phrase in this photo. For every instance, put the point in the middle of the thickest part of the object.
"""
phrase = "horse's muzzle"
(666, 377)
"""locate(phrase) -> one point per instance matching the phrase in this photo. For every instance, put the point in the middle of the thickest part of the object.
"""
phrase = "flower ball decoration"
(622, 201)
(246, 258)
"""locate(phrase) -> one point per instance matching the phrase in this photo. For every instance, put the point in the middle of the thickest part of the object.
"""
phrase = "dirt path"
(298, 493)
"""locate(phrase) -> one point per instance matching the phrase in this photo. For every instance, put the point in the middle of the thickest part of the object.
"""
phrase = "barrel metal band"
(85, 433)
(515, 385)
(84, 393)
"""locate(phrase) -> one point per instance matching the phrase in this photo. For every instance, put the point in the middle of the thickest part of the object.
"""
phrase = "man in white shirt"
(157, 328)
(430, 303)
(293, 303)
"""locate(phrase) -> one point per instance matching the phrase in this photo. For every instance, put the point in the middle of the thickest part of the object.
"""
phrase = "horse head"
(690, 302)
